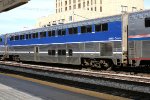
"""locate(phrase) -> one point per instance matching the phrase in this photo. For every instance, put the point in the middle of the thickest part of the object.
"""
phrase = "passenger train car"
(95, 42)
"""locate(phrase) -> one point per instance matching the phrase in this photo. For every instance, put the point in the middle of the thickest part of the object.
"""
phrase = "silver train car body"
(103, 53)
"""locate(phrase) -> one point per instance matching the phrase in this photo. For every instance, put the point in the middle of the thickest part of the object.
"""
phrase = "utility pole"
(125, 39)
(5, 47)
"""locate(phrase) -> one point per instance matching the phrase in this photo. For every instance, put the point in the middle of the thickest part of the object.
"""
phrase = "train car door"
(36, 53)
(106, 49)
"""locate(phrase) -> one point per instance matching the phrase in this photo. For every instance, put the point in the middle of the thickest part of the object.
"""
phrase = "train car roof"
(133, 15)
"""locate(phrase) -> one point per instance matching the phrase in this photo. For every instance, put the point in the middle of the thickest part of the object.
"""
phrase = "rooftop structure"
(6, 5)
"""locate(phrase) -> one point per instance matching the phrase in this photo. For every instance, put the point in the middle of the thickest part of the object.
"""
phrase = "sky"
(25, 17)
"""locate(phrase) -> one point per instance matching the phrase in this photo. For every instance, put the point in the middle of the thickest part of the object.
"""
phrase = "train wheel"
(106, 64)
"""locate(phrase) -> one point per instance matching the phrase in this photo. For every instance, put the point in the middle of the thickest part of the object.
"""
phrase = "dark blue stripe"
(113, 33)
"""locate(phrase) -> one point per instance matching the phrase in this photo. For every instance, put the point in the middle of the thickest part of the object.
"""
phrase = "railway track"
(125, 76)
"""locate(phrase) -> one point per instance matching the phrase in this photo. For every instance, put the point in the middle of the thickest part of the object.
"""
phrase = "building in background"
(77, 10)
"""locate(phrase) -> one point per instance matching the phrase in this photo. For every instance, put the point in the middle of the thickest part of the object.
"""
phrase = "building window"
(74, 1)
(147, 22)
(100, 1)
(100, 9)
(134, 9)
(69, 1)
(74, 6)
(83, 4)
(70, 18)
(79, 5)
(65, 8)
(124, 8)
(95, 8)
(65, 2)
(88, 3)
(91, 2)
(69, 7)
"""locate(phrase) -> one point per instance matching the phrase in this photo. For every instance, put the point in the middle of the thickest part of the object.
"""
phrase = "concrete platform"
(8, 93)
(13, 87)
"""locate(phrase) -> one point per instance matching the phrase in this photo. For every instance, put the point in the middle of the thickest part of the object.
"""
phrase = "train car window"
(37, 49)
(52, 52)
(63, 52)
(83, 29)
(51, 33)
(73, 30)
(89, 29)
(42, 34)
(17, 37)
(35, 35)
(98, 27)
(63, 32)
(59, 32)
(70, 31)
(28, 36)
(59, 52)
(105, 27)
(0, 39)
(70, 52)
(86, 29)
(49, 52)
(147, 22)
(11, 38)
(22, 37)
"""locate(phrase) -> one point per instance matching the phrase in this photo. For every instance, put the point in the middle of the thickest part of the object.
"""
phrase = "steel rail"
(91, 73)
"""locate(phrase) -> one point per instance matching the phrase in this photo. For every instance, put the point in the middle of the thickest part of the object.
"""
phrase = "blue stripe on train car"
(113, 33)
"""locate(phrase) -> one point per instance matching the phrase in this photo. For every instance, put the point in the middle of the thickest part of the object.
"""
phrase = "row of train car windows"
(62, 32)
(60, 52)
